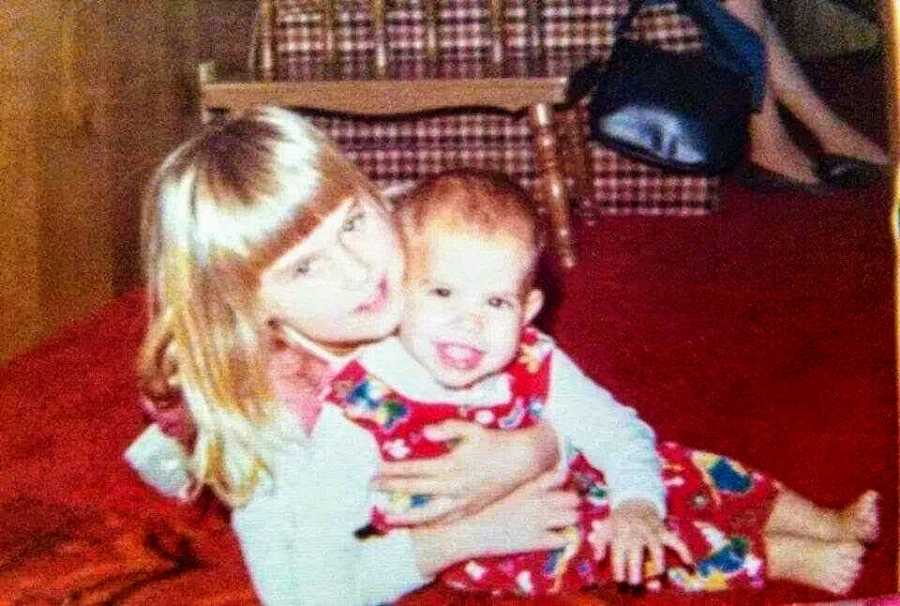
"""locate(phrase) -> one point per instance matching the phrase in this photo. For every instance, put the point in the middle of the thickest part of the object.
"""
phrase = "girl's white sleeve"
(610, 435)
(297, 531)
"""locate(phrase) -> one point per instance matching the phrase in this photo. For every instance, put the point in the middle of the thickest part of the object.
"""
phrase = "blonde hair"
(485, 203)
(217, 212)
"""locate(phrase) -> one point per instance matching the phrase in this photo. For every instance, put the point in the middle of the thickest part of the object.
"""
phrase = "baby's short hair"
(485, 203)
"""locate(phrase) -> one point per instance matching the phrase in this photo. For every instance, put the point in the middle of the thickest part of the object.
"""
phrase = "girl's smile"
(377, 301)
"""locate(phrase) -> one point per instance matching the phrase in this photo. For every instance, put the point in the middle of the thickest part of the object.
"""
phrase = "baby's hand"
(633, 527)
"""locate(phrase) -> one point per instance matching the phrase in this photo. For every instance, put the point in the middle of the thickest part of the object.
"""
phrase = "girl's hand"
(483, 465)
(632, 528)
(524, 520)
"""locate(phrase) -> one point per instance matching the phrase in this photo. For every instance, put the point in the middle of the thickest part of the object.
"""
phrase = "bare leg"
(824, 565)
(795, 515)
(770, 144)
(794, 90)
(786, 82)
(772, 147)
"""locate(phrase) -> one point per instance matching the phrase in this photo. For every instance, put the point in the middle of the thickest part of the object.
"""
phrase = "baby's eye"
(500, 303)
(354, 221)
(440, 291)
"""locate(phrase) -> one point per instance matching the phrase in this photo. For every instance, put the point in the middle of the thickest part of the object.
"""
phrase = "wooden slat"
(380, 97)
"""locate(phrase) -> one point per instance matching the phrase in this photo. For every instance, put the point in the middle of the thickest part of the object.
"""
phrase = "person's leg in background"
(771, 145)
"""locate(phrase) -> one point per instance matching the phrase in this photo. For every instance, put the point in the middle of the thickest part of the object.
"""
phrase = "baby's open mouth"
(458, 356)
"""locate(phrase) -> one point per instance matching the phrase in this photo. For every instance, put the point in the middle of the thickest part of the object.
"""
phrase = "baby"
(466, 350)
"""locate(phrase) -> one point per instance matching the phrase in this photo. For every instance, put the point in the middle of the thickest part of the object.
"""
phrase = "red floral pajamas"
(717, 507)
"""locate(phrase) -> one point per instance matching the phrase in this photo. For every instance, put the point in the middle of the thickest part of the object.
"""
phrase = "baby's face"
(464, 306)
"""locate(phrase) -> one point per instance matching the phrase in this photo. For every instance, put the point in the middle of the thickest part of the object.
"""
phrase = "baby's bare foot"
(835, 567)
(830, 566)
(860, 519)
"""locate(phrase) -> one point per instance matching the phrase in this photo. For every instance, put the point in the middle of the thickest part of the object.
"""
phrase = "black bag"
(678, 111)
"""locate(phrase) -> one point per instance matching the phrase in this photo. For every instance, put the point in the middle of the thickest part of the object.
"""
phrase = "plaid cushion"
(399, 150)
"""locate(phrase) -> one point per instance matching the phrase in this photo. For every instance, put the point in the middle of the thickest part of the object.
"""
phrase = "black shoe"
(844, 171)
(759, 178)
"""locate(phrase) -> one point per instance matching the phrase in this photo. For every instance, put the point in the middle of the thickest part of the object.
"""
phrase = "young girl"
(256, 230)
(465, 349)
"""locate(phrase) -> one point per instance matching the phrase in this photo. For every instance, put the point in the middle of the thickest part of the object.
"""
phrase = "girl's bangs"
(339, 180)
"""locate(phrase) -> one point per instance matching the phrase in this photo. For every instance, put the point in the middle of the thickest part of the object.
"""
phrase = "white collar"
(390, 362)
(297, 339)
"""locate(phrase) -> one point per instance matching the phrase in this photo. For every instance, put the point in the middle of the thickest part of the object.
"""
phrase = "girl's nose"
(354, 267)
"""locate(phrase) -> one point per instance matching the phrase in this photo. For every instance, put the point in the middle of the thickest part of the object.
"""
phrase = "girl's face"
(341, 284)
(464, 306)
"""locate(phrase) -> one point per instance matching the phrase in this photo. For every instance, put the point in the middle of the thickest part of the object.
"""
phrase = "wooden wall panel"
(93, 95)
(20, 310)
(225, 28)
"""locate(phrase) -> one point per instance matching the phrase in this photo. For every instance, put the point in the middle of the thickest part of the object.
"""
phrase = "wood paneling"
(93, 94)
(226, 28)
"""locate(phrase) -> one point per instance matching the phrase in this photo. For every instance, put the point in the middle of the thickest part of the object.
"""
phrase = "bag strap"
(583, 80)
(731, 42)
(634, 7)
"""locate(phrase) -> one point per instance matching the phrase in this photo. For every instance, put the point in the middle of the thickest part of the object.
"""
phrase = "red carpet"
(764, 332)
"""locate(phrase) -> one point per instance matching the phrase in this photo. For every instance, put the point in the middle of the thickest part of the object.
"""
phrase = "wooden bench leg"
(577, 161)
(206, 74)
(551, 185)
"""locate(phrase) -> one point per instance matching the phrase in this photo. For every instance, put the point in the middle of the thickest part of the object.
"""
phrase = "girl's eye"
(353, 222)
(499, 303)
(303, 267)
(441, 292)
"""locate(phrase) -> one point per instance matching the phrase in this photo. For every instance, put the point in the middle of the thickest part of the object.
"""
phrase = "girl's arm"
(297, 531)
(297, 558)
(485, 465)
(524, 520)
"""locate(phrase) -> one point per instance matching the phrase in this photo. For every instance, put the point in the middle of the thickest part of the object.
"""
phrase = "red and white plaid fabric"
(398, 150)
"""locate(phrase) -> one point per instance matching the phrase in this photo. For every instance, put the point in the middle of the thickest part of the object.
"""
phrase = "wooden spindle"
(432, 18)
(498, 35)
(577, 159)
(380, 31)
(534, 38)
(329, 38)
(267, 65)
(206, 74)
